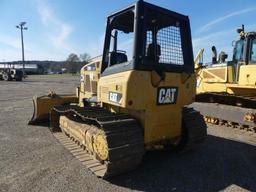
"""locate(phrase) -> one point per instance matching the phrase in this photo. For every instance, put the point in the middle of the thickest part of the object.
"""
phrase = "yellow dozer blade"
(44, 104)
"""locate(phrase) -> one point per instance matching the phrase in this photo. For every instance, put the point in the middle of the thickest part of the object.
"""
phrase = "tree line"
(74, 63)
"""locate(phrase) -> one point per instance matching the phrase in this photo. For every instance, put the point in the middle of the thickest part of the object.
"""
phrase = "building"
(29, 68)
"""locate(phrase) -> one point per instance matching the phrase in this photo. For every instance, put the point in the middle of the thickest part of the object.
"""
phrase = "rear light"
(130, 102)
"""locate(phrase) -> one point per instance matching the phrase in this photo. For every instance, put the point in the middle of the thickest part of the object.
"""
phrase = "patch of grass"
(54, 75)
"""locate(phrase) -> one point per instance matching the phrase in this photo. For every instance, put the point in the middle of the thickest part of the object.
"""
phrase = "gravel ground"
(31, 159)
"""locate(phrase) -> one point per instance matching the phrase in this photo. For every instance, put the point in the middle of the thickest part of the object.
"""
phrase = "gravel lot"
(31, 159)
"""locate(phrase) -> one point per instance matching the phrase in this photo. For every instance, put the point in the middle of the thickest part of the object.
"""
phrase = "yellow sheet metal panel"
(247, 75)
(241, 89)
(214, 79)
(158, 108)
(215, 74)
(230, 74)
(210, 81)
(212, 87)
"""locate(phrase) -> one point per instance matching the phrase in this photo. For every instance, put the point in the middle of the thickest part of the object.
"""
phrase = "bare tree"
(73, 63)
(84, 57)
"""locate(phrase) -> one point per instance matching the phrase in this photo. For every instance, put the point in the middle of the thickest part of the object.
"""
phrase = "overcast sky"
(59, 27)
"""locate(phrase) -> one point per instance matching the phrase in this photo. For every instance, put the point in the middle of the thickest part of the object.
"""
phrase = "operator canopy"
(144, 36)
(125, 22)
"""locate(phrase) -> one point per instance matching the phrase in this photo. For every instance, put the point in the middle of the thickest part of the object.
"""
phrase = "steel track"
(223, 109)
(123, 134)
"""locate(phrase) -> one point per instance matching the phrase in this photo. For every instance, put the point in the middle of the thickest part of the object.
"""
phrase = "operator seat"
(153, 52)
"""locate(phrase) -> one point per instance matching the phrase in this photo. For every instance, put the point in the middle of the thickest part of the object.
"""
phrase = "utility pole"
(22, 27)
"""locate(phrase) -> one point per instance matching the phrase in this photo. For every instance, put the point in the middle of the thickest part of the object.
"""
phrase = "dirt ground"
(31, 159)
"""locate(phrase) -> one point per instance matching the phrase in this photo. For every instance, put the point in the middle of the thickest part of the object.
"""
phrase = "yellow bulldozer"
(143, 93)
(226, 91)
(90, 74)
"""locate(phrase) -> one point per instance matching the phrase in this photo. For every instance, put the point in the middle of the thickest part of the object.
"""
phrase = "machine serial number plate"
(115, 97)
(167, 95)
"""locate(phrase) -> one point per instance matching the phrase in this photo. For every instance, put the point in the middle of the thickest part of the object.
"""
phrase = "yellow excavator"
(143, 94)
(226, 91)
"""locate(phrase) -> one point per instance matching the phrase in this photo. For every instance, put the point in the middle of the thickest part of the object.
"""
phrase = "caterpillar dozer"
(147, 82)
(88, 89)
(90, 74)
(226, 91)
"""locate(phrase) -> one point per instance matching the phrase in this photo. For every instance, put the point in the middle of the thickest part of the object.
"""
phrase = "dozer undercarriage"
(113, 142)
(228, 110)
(109, 144)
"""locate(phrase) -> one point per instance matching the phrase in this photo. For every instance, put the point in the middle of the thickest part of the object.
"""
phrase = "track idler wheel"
(100, 146)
